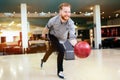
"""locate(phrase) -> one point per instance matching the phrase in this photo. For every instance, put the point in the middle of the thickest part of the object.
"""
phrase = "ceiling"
(109, 7)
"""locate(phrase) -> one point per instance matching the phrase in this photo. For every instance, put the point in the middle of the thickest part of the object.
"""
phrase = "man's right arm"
(46, 29)
(44, 32)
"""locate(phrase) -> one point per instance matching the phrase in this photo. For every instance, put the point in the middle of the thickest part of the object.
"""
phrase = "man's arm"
(72, 36)
(44, 32)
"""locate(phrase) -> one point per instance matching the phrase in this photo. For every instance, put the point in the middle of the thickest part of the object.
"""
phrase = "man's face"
(65, 13)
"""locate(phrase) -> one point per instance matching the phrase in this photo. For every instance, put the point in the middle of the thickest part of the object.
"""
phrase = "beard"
(65, 18)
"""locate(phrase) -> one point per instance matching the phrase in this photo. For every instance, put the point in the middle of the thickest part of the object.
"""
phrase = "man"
(58, 28)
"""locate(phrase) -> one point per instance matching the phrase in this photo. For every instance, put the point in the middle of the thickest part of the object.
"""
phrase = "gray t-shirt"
(60, 30)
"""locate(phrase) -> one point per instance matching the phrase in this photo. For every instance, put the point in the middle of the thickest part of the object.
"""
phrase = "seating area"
(10, 48)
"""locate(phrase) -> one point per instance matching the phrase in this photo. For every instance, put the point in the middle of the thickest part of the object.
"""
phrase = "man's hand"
(44, 32)
(73, 42)
(43, 36)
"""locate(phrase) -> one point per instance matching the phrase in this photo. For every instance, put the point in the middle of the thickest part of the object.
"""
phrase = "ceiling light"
(74, 12)
(11, 23)
(103, 12)
(91, 8)
(48, 12)
(55, 12)
(80, 12)
(42, 13)
(8, 14)
(28, 12)
(35, 12)
(18, 25)
(103, 17)
(116, 15)
(88, 14)
(14, 12)
(109, 16)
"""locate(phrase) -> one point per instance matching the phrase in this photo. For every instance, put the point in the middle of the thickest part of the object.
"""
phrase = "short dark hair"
(64, 5)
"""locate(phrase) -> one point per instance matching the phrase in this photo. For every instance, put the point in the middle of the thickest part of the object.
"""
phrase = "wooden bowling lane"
(102, 64)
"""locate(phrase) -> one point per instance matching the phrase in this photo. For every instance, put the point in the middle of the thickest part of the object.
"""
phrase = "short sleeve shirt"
(60, 30)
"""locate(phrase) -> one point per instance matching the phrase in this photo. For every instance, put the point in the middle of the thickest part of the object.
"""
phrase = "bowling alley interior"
(97, 22)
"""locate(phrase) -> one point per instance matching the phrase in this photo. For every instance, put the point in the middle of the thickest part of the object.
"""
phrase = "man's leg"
(60, 60)
(60, 49)
(47, 54)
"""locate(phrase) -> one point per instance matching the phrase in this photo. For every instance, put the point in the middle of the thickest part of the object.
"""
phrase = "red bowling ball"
(82, 49)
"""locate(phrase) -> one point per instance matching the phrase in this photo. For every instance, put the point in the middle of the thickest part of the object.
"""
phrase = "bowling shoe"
(61, 75)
